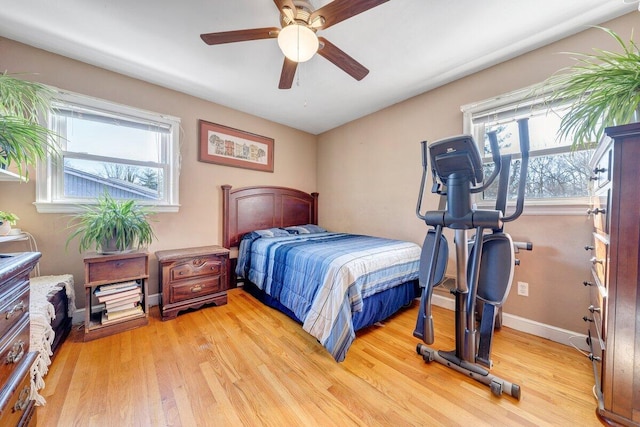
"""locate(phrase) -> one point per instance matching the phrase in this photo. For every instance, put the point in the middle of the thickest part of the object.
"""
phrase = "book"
(122, 315)
(114, 288)
(119, 295)
(123, 299)
(121, 305)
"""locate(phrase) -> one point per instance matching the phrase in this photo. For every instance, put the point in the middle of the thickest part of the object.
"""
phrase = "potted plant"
(604, 89)
(112, 226)
(7, 219)
(23, 140)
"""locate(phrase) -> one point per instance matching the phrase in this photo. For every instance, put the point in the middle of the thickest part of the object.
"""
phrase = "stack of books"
(121, 301)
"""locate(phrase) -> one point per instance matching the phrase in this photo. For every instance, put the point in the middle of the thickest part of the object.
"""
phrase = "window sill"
(70, 208)
(567, 207)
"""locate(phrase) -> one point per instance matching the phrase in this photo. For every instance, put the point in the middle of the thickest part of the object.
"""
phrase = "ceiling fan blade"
(240, 35)
(281, 4)
(288, 72)
(341, 59)
(339, 10)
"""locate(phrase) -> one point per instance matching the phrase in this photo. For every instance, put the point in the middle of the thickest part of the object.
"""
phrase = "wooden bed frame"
(255, 208)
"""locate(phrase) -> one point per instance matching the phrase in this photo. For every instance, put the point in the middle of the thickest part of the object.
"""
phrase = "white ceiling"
(409, 46)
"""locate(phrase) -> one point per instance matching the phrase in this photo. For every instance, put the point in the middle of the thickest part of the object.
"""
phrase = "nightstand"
(108, 270)
(192, 277)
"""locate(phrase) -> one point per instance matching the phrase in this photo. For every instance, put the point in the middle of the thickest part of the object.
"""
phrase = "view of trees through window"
(563, 175)
(555, 171)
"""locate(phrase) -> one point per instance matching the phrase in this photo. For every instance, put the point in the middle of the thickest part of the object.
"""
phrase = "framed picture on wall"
(227, 146)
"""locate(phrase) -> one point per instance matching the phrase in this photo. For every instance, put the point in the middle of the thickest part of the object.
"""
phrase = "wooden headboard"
(255, 208)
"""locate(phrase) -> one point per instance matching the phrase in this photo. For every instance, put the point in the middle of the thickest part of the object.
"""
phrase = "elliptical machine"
(484, 264)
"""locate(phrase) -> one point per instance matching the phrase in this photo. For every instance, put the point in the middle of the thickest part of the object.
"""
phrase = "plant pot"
(5, 228)
(109, 247)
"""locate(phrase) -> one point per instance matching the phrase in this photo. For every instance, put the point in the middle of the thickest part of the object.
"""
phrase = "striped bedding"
(324, 277)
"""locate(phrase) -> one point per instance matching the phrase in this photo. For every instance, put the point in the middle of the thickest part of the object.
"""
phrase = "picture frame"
(227, 146)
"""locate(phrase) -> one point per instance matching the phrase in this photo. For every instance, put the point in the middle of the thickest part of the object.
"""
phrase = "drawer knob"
(595, 261)
(587, 283)
(596, 211)
(594, 358)
(589, 248)
(16, 352)
(23, 400)
(594, 309)
(587, 319)
(18, 307)
(599, 170)
(196, 288)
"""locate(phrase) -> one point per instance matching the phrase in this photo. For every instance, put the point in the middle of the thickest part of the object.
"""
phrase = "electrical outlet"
(523, 289)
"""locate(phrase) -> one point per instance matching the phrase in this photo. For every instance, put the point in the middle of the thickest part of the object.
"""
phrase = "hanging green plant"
(23, 140)
(603, 89)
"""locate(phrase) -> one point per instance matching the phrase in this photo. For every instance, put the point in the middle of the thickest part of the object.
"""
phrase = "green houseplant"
(23, 140)
(604, 89)
(7, 219)
(112, 226)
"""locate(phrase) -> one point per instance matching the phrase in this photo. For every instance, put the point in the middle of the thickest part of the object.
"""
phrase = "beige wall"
(367, 171)
(198, 221)
(370, 171)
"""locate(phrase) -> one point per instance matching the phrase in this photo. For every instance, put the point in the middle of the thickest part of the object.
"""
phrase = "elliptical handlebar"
(523, 132)
(497, 161)
(425, 154)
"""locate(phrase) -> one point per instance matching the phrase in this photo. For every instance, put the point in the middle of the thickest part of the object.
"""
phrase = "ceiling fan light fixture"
(298, 42)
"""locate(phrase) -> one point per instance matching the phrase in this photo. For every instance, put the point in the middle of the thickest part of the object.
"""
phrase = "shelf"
(5, 175)
(13, 237)
(114, 268)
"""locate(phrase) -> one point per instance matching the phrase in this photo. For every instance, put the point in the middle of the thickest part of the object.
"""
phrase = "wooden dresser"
(16, 408)
(614, 314)
(192, 277)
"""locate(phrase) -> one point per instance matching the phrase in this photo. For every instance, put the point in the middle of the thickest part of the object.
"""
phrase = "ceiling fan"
(297, 38)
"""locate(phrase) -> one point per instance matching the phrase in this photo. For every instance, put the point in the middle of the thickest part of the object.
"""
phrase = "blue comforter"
(324, 277)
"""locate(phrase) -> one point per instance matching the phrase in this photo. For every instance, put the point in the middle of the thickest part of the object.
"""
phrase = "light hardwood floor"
(246, 364)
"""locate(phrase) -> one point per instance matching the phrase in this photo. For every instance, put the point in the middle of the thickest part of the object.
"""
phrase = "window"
(106, 147)
(558, 175)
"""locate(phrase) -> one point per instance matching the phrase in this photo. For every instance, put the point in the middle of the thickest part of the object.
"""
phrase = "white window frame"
(523, 100)
(50, 196)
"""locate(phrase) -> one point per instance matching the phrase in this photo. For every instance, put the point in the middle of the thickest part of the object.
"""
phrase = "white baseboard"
(559, 335)
(78, 315)
(518, 323)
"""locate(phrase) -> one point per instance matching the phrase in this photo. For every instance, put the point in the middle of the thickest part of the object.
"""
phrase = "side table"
(192, 277)
(110, 269)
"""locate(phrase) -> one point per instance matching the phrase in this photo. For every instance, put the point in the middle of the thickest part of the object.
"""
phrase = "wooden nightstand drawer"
(14, 305)
(197, 267)
(14, 347)
(600, 210)
(601, 172)
(16, 409)
(121, 268)
(195, 289)
(600, 256)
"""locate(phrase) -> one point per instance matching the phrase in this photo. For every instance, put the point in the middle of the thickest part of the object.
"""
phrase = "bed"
(332, 283)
